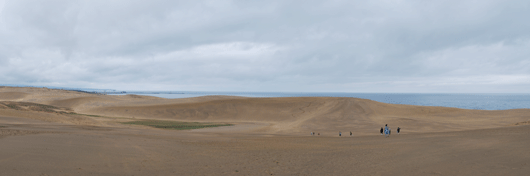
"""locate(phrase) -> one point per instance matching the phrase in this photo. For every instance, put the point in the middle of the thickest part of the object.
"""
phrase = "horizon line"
(213, 91)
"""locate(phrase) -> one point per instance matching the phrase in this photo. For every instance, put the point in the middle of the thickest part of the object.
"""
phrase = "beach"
(59, 132)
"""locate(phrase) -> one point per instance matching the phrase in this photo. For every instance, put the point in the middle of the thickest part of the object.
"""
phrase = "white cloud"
(231, 50)
(490, 59)
(352, 46)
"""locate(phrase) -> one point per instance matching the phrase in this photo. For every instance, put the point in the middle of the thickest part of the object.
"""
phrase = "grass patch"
(89, 115)
(103, 116)
(175, 125)
(25, 106)
(13, 106)
(73, 113)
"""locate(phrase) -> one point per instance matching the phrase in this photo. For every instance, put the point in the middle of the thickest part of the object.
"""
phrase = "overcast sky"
(418, 46)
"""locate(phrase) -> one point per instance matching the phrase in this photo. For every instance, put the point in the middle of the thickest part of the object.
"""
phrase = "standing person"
(398, 130)
(351, 133)
(381, 131)
(340, 133)
(387, 130)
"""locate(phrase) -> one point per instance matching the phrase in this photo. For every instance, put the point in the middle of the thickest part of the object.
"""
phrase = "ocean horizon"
(479, 101)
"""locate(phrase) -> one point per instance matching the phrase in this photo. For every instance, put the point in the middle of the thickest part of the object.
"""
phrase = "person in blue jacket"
(387, 130)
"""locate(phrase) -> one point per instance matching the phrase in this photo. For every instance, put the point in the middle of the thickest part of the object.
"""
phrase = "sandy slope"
(292, 116)
(328, 115)
(12, 96)
(271, 136)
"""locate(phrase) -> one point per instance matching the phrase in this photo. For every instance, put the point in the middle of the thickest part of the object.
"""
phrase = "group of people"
(387, 130)
(340, 133)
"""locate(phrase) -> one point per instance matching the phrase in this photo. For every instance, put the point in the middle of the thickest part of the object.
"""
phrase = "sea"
(482, 101)
(459, 100)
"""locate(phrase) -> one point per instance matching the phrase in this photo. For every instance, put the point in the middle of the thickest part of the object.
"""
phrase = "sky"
(388, 46)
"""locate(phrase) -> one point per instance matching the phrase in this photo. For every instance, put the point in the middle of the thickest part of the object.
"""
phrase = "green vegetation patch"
(29, 106)
(73, 113)
(175, 124)
(90, 115)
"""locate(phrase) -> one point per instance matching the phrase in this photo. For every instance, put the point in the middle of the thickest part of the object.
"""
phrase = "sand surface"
(81, 135)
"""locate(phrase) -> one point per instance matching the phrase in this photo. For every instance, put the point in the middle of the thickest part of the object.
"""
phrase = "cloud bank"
(296, 46)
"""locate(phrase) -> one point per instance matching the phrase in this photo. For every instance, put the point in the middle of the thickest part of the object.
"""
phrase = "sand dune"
(75, 103)
(12, 96)
(293, 116)
(80, 134)
(301, 115)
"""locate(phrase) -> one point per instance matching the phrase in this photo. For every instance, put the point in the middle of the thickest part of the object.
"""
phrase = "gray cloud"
(324, 46)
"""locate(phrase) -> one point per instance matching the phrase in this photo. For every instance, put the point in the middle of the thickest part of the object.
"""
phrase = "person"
(319, 134)
(381, 131)
(340, 133)
(311, 133)
(351, 133)
(387, 130)
(398, 130)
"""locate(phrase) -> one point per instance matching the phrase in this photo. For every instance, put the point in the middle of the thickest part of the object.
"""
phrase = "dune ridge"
(286, 115)
(57, 132)
(302, 114)
(12, 96)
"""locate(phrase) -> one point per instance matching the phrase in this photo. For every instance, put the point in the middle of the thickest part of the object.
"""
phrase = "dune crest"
(57, 132)
(286, 115)
(304, 114)
(12, 96)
